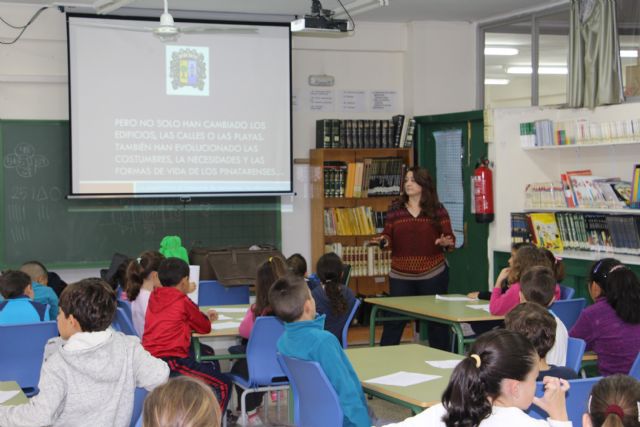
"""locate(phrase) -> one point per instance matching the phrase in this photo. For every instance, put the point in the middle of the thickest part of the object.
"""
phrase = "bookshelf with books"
(351, 192)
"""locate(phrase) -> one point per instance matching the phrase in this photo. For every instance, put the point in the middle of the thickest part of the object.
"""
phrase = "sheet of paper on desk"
(403, 379)
(484, 307)
(453, 298)
(443, 364)
(6, 395)
(223, 317)
(216, 326)
(230, 310)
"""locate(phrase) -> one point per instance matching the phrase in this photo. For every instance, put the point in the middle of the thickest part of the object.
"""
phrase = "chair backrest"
(210, 292)
(138, 401)
(122, 323)
(315, 401)
(262, 351)
(566, 292)
(577, 397)
(575, 351)
(126, 306)
(568, 310)
(22, 351)
(635, 368)
(347, 323)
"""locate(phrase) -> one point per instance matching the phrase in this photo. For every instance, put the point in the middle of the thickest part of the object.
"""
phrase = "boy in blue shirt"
(41, 292)
(304, 338)
(15, 287)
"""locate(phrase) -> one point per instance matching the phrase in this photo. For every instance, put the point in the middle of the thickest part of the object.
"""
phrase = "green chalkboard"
(39, 222)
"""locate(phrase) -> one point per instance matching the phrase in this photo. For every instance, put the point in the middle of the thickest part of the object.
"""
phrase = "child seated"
(539, 326)
(304, 337)
(141, 279)
(538, 286)
(90, 373)
(611, 325)
(504, 299)
(494, 385)
(41, 292)
(17, 307)
(182, 401)
(614, 403)
(171, 318)
(332, 298)
(298, 267)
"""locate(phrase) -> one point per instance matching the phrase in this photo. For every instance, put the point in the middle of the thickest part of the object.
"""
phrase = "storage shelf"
(621, 211)
(578, 146)
(588, 255)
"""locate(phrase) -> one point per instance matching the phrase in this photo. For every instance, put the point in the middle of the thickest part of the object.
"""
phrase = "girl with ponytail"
(611, 325)
(493, 386)
(141, 280)
(332, 298)
(614, 403)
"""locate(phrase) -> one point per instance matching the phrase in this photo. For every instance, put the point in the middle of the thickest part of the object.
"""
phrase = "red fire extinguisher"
(483, 192)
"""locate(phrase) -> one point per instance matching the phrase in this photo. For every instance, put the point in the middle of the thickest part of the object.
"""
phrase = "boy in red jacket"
(171, 317)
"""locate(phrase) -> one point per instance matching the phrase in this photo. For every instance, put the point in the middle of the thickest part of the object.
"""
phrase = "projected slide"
(208, 113)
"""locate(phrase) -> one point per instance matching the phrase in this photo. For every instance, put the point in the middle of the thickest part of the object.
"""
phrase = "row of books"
(364, 260)
(359, 221)
(381, 176)
(578, 231)
(581, 189)
(394, 133)
(541, 133)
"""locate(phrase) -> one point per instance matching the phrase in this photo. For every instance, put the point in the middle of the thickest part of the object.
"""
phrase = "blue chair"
(575, 351)
(566, 292)
(122, 324)
(126, 306)
(577, 398)
(315, 402)
(347, 323)
(138, 401)
(265, 373)
(635, 368)
(210, 292)
(22, 351)
(568, 310)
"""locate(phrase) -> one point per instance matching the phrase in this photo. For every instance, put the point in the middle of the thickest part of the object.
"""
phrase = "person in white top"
(614, 403)
(493, 386)
(141, 280)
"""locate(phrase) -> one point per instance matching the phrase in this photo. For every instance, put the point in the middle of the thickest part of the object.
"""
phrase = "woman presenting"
(418, 232)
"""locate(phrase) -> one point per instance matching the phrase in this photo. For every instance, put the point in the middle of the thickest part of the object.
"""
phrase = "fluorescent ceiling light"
(103, 7)
(628, 53)
(559, 70)
(501, 51)
(496, 81)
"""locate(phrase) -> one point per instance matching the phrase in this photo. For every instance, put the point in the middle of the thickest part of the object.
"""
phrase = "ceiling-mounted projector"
(320, 20)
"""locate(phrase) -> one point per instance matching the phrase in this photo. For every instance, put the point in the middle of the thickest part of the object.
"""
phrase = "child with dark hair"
(170, 320)
(611, 325)
(557, 264)
(304, 338)
(332, 298)
(614, 403)
(538, 285)
(17, 306)
(494, 385)
(539, 326)
(503, 300)
(141, 280)
(42, 293)
(297, 265)
(90, 373)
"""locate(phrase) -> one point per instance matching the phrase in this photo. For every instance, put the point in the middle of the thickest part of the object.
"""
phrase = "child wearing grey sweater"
(90, 373)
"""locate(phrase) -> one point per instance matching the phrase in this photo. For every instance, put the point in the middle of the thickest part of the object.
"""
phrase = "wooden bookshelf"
(367, 285)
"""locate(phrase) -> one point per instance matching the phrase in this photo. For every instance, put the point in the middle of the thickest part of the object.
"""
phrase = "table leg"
(372, 325)
(196, 349)
(457, 330)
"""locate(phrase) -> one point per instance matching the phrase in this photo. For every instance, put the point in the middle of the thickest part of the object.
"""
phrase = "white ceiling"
(397, 11)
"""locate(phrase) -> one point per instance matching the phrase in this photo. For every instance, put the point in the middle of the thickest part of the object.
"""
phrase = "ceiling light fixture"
(500, 51)
(554, 70)
(496, 81)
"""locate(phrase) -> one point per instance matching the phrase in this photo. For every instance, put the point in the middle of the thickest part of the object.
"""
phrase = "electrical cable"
(24, 27)
(349, 15)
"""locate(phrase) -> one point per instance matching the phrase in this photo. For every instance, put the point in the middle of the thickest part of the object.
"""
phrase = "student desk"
(235, 316)
(373, 362)
(427, 307)
(19, 399)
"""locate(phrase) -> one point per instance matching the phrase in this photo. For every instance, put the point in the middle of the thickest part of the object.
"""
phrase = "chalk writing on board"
(25, 160)
(36, 194)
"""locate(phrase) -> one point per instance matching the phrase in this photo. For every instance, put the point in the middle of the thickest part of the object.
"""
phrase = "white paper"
(6, 395)
(217, 326)
(194, 277)
(383, 100)
(352, 101)
(443, 364)
(223, 317)
(484, 307)
(452, 298)
(403, 379)
(230, 310)
(321, 100)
